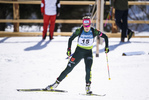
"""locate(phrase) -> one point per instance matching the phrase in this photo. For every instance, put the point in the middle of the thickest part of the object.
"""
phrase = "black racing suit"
(82, 52)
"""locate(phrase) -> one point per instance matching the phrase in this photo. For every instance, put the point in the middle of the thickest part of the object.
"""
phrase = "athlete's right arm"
(72, 37)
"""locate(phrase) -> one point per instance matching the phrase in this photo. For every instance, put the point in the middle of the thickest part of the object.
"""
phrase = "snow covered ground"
(28, 62)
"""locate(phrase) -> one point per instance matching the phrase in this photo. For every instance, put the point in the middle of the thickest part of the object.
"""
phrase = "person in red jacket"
(49, 9)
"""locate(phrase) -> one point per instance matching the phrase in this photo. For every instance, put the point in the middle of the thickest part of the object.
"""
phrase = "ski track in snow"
(29, 62)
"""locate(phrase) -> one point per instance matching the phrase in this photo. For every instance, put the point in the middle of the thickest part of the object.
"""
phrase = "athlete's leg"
(75, 59)
(88, 64)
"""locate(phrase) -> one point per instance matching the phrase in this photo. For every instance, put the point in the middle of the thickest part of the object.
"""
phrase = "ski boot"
(52, 86)
(88, 91)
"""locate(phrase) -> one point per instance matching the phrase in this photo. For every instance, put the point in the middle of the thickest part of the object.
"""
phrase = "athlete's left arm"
(106, 39)
(100, 34)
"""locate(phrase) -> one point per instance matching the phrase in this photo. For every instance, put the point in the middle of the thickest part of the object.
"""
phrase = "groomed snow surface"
(28, 62)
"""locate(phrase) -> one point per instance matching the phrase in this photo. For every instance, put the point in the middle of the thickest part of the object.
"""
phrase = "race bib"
(86, 39)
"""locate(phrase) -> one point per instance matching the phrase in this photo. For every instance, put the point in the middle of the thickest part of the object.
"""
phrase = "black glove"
(69, 52)
(106, 50)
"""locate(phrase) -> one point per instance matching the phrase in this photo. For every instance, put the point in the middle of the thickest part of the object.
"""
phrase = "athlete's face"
(86, 27)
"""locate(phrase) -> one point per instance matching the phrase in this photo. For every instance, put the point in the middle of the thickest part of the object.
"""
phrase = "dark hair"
(86, 17)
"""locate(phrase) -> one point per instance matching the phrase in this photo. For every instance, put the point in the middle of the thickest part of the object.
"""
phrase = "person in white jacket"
(49, 9)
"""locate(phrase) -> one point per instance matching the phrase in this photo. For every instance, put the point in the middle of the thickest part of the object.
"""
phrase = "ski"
(41, 90)
(94, 94)
(54, 90)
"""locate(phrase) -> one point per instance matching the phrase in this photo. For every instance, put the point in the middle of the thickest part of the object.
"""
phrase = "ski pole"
(69, 56)
(108, 66)
(108, 17)
(106, 20)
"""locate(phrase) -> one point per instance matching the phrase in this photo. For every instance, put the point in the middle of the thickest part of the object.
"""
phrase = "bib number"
(85, 42)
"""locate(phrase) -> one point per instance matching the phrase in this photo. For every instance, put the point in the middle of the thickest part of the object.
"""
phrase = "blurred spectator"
(50, 9)
(121, 18)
